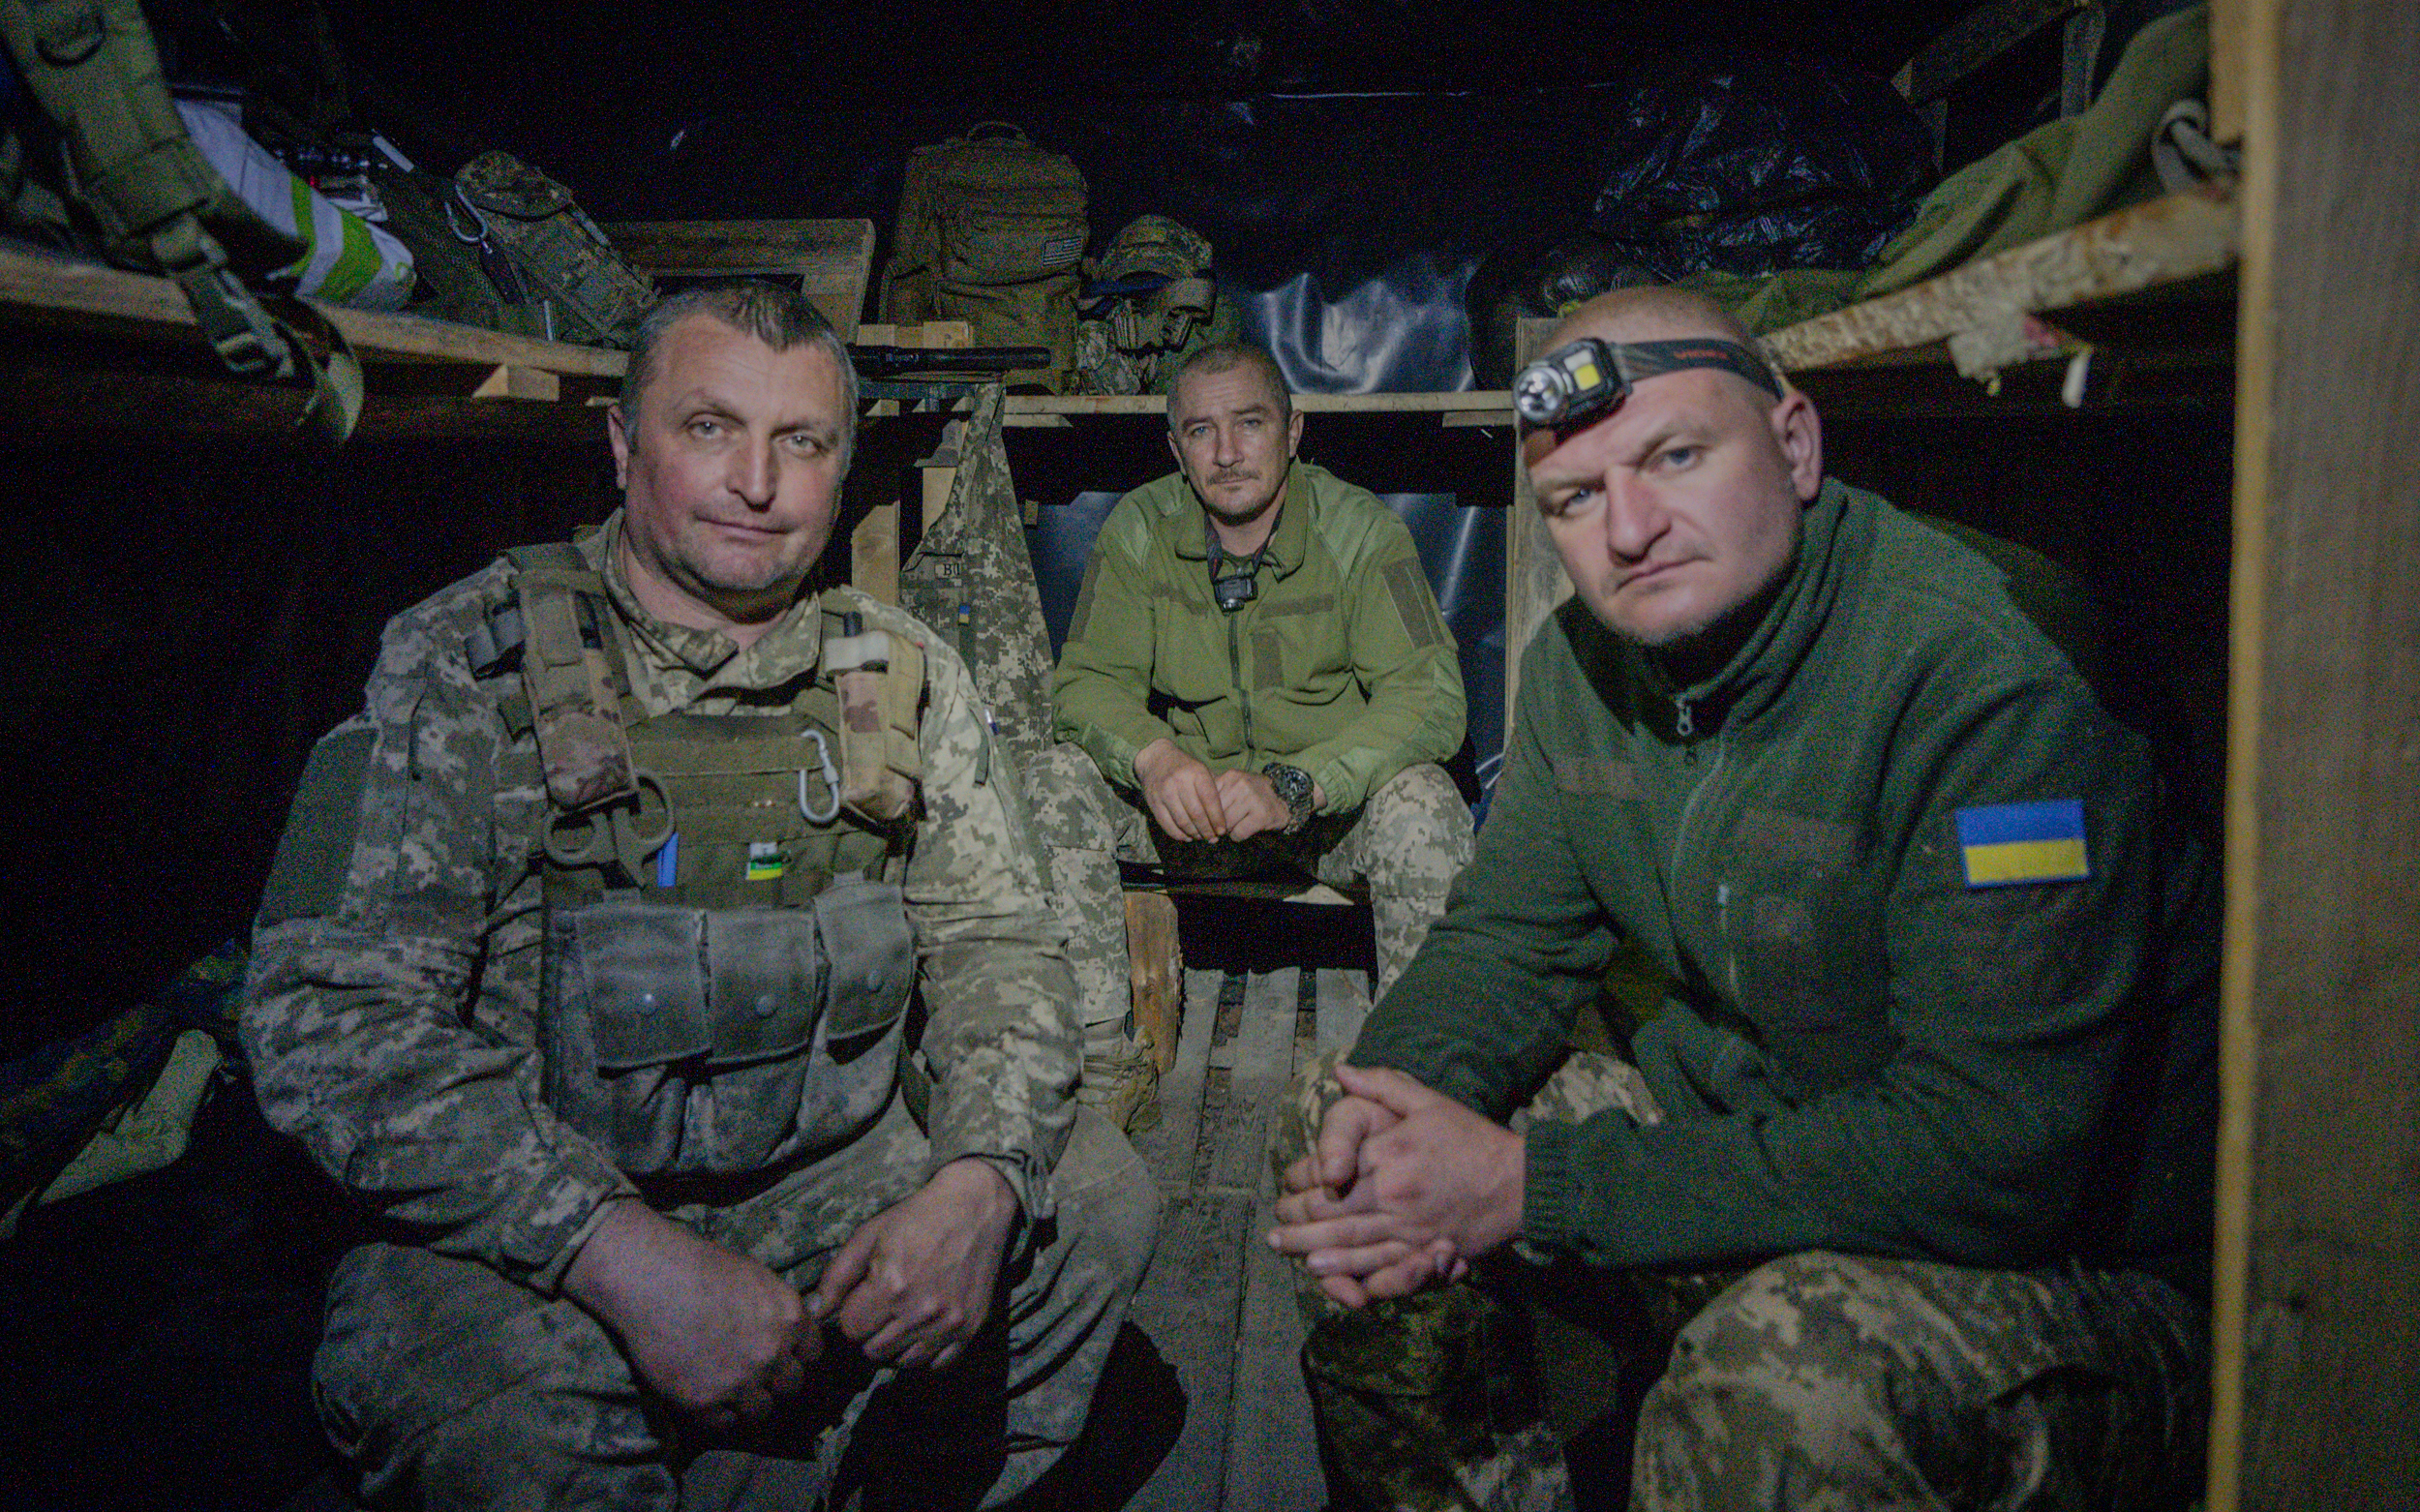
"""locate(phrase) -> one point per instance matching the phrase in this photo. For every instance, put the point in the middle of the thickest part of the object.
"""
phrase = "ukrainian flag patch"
(765, 860)
(2001, 844)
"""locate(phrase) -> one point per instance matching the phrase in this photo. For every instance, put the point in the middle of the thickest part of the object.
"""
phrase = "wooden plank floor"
(1217, 1302)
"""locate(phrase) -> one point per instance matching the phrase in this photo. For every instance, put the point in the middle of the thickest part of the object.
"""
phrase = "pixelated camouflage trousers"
(1408, 842)
(446, 1386)
(1816, 1381)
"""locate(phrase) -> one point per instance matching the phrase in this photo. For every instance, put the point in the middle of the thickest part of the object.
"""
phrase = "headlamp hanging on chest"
(1235, 581)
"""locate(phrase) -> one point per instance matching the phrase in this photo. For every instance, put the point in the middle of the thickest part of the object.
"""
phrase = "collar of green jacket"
(1287, 544)
(1835, 530)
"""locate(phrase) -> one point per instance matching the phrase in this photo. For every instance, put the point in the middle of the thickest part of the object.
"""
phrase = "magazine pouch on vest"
(728, 958)
(156, 204)
(991, 231)
(562, 260)
(879, 679)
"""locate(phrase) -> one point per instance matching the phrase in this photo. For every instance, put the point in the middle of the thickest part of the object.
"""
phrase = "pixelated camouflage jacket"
(1341, 665)
(391, 1014)
(1861, 1052)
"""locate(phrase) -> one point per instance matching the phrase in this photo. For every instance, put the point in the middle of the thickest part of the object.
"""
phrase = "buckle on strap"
(241, 332)
(66, 35)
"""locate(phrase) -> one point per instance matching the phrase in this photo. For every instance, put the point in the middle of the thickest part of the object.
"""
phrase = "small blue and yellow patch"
(2001, 844)
(766, 863)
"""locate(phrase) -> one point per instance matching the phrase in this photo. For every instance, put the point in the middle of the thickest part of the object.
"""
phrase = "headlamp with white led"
(1591, 376)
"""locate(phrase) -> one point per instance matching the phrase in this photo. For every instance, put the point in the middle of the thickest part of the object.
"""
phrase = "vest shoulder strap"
(572, 670)
(879, 677)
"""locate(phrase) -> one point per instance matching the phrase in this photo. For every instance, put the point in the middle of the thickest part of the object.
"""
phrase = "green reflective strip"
(299, 269)
(355, 267)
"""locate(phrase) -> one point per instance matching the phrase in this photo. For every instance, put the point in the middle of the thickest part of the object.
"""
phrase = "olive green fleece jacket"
(1341, 665)
(1862, 1051)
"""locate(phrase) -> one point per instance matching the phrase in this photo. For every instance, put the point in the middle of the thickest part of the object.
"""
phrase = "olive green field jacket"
(1872, 1044)
(1341, 665)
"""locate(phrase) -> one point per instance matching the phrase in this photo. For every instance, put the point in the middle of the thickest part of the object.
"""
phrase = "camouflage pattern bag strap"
(880, 680)
(160, 203)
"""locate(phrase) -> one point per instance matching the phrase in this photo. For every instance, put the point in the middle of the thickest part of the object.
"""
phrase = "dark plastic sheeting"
(1403, 331)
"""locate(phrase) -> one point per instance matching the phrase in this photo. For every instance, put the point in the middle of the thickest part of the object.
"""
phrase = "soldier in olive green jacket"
(1918, 1146)
(1257, 664)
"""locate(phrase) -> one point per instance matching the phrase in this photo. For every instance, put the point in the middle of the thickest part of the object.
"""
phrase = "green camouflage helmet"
(1155, 245)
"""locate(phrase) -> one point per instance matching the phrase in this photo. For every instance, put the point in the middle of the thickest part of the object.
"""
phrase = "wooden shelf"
(1988, 315)
(1983, 317)
(1468, 407)
(114, 302)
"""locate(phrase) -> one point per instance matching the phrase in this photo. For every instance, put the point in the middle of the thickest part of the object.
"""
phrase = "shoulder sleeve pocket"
(316, 852)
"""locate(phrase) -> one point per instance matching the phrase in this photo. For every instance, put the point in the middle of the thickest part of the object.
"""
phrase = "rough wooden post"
(1156, 972)
(2318, 1283)
(1534, 580)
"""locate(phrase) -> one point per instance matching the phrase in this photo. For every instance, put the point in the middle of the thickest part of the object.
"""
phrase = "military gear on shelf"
(1151, 301)
(464, 279)
(991, 231)
(136, 186)
(882, 362)
(728, 954)
(552, 254)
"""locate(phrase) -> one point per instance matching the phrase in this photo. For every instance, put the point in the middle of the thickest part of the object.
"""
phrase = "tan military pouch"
(880, 679)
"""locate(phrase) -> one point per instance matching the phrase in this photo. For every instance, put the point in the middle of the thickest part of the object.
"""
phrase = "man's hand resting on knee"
(716, 1334)
(1181, 792)
(1403, 1188)
(916, 1282)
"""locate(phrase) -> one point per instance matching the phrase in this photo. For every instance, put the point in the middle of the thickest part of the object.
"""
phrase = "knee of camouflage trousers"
(1825, 1380)
(446, 1386)
(1411, 840)
(1076, 816)
(1424, 1403)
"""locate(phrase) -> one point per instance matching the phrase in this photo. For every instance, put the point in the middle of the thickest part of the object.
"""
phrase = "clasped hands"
(1191, 802)
(722, 1338)
(1402, 1189)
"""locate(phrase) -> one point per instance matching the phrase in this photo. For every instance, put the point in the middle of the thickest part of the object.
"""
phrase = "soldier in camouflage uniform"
(1902, 1196)
(1255, 675)
(586, 962)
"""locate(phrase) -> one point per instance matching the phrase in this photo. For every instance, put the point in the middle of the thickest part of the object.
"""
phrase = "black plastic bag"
(1750, 164)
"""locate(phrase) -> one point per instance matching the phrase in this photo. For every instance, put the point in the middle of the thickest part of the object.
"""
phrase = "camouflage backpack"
(991, 231)
(501, 245)
(1151, 301)
(131, 186)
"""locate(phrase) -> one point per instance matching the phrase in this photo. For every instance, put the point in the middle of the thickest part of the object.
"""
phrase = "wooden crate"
(831, 260)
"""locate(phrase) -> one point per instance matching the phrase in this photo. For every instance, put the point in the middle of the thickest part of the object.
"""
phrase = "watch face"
(1292, 783)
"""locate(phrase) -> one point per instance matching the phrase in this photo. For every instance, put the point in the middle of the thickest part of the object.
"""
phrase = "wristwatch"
(1294, 790)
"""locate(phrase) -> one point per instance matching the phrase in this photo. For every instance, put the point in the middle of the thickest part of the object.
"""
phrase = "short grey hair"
(1222, 356)
(779, 317)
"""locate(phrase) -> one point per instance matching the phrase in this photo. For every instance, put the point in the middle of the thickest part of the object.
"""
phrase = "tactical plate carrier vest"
(728, 959)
